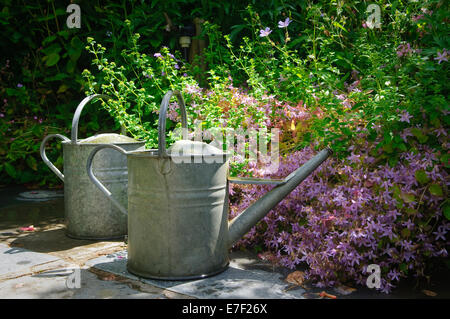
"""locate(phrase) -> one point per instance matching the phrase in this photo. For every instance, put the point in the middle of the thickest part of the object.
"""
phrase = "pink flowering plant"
(377, 97)
(354, 212)
(383, 198)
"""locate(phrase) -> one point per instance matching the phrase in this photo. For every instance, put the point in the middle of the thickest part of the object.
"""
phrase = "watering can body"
(88, 214)
(178, 223)
(178, 210)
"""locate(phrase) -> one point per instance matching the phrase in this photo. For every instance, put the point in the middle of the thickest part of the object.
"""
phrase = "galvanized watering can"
(88, 214)
(178, 212)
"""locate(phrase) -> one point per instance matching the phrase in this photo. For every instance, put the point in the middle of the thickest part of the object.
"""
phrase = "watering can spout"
(242, 223)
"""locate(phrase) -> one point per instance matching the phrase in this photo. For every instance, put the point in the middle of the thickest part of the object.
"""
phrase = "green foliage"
(384, 81)
(351, 79)
(45, 58)
(136, 86)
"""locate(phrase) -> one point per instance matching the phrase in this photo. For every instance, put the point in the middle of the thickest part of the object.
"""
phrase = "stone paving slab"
(29, 275)
(52, 284)
(52, 240)
(15, 261)
(232, 283)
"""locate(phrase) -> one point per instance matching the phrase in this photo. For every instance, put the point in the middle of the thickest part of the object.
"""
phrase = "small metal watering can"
(88, 214)
(178, 212)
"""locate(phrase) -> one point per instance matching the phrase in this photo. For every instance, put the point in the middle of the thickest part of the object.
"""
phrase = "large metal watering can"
(88, 214)
(178, 212)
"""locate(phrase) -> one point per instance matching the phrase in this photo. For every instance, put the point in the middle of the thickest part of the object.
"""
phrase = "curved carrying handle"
(95, 179)
(162, 120)
(44, 156)
(76, 116)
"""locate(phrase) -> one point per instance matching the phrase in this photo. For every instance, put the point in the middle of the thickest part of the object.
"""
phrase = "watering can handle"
(95, 180)
(162, 120)
(76, 116)
(44, 156)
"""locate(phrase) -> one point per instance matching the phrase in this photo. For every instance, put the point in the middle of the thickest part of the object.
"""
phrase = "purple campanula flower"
(387, 288)
(405, 117)
(405, 133)
(265, 32)
(440, 234)
(284, 24)
(441, 56)
(409, 224)
(157, 55)
(19, 85)
(417, 17)
(354, 158)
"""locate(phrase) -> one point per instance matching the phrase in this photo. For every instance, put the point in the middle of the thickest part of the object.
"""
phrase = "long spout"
(242, 223)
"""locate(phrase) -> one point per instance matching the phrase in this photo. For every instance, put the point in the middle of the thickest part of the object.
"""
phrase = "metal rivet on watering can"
(88, 215)
(178, 220)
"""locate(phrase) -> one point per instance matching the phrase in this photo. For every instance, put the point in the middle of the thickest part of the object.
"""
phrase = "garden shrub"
(41, 64)
(352, 213)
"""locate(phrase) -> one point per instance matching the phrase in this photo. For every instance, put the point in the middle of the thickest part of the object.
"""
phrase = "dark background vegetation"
(41, 61)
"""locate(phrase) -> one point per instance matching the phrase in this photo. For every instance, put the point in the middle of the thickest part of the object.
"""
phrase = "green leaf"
(392, 161)
(51, 59)
(54, 48)
(447, 211)
(435, 190)
(48, 40)
(419, 135)
(339, 26)
(297, 41)
(31, 162)
(408, 198)
(237, 28)
(75, 49)
(388, 148)
(405, 232)
(404, 268)
(445, 159)
(57, 77)
(421, 176)
(62, 88)
(436, 123)
(10, 170)
(411, 211)
(402, 147)
(155, 42)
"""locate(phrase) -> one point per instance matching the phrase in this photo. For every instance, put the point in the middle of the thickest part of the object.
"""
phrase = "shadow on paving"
(52, 284)
(38, 214)
(232, 283)
(48, 241)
